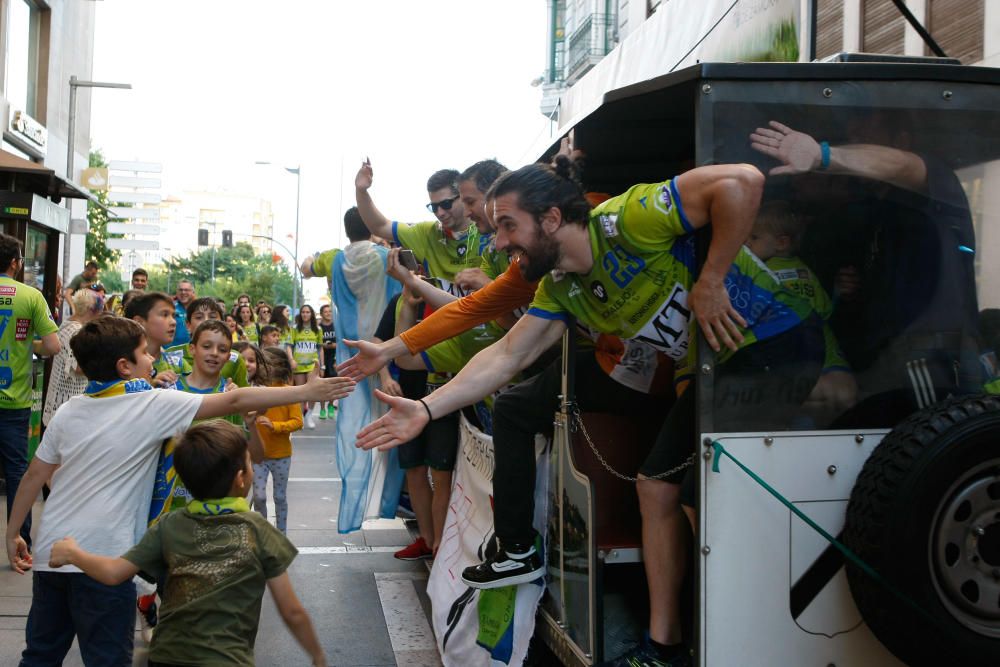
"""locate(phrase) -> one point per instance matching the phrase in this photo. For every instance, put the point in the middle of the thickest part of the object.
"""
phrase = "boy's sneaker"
(416, 551)
(503, 570)
(147, 615)
(644, 655)
(322, 412)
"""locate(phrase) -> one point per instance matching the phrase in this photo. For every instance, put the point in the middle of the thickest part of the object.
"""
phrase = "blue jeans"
(63, 605)
(14, 457)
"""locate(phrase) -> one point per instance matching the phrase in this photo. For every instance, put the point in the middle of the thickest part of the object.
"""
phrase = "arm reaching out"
(800, 153)
(247, 399)
(377, 224)
(484, 374)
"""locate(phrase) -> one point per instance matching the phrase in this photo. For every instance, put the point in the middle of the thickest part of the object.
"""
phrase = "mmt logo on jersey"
(668, 329)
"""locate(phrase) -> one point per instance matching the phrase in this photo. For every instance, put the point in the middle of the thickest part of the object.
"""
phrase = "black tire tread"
(871, 507)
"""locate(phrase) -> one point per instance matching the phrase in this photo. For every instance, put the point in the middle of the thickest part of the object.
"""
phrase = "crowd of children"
(109, 453)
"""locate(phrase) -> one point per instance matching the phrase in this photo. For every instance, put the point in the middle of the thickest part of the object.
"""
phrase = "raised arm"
(377, 224)
(727, 196)
(484, 374)
(800, 153)
(433, 296)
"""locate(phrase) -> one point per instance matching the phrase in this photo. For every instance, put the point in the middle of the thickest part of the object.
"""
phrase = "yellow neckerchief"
(218, 506)
(116, 388)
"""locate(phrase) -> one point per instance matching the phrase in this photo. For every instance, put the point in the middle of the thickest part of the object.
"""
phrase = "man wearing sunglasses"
(23, 316)
(444, 247)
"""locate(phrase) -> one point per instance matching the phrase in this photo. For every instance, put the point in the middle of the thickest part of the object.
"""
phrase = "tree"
(97, 217)
(237, 271)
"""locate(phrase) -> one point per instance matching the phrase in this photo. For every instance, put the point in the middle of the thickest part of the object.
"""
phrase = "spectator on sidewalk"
(183, 298)
(85, 279)
(24, 315)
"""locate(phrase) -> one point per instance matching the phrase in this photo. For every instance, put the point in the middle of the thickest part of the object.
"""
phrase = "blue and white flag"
(371, 480)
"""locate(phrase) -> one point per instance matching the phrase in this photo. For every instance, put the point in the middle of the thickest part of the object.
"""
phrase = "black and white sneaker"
(504, 570)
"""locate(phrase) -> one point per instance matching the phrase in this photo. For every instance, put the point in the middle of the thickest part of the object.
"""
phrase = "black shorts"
(436, 447)
(759, 388)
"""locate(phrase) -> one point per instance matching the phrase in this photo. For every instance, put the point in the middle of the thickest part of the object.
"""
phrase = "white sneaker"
(310, 421)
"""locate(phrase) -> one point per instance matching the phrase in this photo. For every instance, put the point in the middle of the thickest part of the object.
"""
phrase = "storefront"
(30, 195)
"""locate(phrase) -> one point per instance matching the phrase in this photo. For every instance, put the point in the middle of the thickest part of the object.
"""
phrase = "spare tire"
(925, 514)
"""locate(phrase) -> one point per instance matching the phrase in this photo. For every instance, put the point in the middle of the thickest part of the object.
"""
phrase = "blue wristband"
(824, 155)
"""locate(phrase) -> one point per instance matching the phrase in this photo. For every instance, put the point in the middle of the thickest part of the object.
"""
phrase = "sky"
(415, 86)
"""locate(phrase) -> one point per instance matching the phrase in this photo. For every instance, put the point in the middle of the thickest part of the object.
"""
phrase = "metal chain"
(578, 425)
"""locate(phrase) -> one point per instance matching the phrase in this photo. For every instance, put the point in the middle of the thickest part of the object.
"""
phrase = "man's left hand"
(718, 320)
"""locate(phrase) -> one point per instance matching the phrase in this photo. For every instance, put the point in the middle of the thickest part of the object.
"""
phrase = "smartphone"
(407, 259)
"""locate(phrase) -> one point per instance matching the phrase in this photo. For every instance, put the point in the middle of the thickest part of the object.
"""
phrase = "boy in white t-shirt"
(101, 450)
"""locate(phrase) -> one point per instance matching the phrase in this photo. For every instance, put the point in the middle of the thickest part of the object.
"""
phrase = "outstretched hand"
(368, 361)
(327, 389)
(404, 421)
(797, 151)
(365, 176)
(718, 320)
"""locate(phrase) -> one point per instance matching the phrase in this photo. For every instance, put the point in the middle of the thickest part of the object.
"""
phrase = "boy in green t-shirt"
(199, 310)
(775, 239)
(215, 557)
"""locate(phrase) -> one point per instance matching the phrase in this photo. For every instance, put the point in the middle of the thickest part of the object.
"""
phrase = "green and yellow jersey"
(794, 275)
(322, 266)
(442, 254)
(644, 263)
(305, 348)
(24, 314)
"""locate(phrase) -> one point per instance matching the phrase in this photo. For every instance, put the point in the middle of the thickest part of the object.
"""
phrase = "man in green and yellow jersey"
(627, 269)
(23, 316)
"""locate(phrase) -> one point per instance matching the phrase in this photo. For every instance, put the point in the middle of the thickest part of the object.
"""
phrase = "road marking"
(348, 549)
(409, 632)
(314, 479)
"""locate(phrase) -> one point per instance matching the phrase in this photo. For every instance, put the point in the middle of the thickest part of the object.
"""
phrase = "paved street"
(368, 607)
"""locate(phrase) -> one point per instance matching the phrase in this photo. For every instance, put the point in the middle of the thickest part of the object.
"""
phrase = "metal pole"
(70, 154)
(297, 275)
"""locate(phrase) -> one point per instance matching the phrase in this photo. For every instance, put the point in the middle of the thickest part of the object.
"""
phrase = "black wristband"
(430, 417)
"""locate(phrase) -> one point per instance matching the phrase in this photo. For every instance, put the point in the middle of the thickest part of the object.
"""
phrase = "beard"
(541, 257)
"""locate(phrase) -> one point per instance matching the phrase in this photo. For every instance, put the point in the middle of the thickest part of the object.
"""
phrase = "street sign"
(95, 178)
(129, 165)
(134, 182)
(132, 244)
(136, 213)
(132, 228)
(135, 197)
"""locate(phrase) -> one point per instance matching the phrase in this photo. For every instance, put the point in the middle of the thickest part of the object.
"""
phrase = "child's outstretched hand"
(230, 385)
(62, 552)
(328, 389)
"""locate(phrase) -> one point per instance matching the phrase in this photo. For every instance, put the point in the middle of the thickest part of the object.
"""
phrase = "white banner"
(481, 628)
(682, 33)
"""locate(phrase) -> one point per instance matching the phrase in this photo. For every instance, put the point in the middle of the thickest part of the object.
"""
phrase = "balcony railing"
(590, 42)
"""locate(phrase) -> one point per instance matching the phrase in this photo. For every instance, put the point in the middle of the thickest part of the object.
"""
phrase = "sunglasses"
(444, 204)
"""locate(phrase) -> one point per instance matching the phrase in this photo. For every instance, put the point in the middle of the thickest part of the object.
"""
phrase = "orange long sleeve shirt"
(508, 292)
(286, 420)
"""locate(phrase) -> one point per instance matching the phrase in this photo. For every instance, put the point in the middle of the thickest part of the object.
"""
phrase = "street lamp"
(297, 170)
(75, 83)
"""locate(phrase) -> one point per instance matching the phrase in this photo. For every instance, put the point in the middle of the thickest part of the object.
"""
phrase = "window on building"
(883, 27)
(829, 27)
(957, 26)
(21, 72)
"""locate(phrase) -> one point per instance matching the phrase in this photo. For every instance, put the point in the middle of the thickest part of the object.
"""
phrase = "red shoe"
(416, 551)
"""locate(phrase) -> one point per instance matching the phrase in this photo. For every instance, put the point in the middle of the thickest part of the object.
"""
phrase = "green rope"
(719, 451)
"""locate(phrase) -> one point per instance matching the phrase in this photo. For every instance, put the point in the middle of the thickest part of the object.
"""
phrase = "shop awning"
(28, 176)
